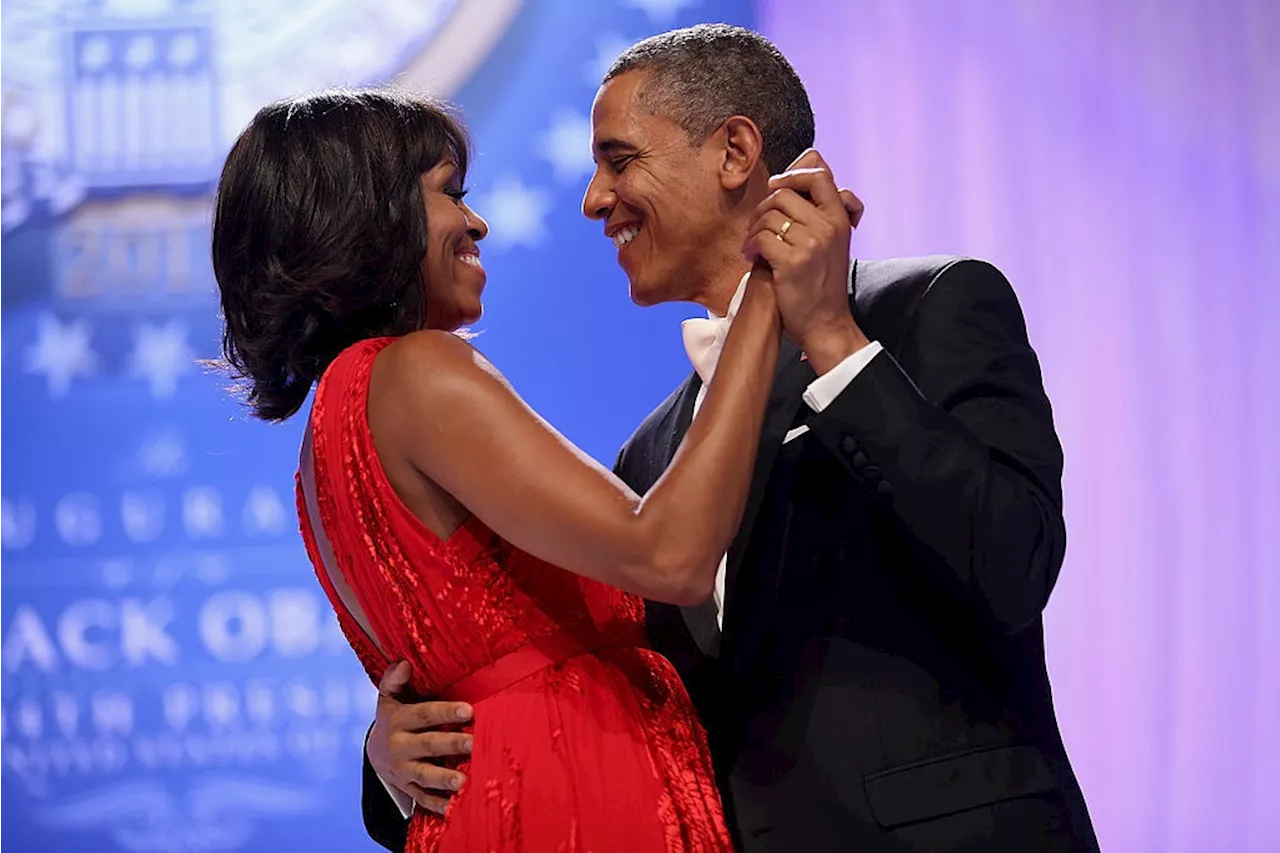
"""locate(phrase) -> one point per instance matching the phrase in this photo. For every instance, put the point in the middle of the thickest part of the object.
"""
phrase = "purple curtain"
(1121, 163)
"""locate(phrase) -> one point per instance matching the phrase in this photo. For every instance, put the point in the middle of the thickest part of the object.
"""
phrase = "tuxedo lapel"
(676, 421)
(701, 618)
(793, 376)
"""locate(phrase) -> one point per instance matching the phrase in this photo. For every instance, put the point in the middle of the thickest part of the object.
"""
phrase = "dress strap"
(516, 666)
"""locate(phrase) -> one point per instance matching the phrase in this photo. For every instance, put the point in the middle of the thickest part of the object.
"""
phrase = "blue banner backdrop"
(173, 679)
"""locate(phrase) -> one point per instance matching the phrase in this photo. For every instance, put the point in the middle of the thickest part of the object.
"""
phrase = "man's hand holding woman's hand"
(802, 231)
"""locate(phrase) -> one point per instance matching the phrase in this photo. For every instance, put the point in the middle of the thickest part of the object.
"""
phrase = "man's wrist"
(827, 345)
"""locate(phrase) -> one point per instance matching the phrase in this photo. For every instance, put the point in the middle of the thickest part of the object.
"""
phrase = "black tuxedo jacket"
(880, 682)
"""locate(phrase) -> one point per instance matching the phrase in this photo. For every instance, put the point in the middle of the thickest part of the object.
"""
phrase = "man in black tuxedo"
(871, 668)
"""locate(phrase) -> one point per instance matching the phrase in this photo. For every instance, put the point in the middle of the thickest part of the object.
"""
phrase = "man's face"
(659, 197)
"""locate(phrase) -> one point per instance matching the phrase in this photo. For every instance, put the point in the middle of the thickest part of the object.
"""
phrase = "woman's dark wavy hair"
(319, 233)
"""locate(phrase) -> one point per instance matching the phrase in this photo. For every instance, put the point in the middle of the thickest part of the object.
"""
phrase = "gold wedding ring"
(782, 232)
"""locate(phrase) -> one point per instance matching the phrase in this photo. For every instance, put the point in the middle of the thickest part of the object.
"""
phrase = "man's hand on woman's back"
(408, 745)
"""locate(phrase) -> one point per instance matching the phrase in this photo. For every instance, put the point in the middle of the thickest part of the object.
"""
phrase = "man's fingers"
(808, 159)
(416, 746)
(853, 206)
(457, 743)
(817, 184)
(764, 245)
(772, 222)
(435, 778)
(433, 715)
(395, 679)
(790, 204)
(425, 800)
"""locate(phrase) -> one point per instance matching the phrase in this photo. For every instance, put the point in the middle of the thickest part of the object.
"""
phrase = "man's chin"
(644, 294)
(642, 301)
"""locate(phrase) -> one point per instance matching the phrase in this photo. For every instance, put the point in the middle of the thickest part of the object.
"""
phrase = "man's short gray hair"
(703, 75)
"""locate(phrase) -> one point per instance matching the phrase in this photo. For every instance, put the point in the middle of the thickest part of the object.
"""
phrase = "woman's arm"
(441, 405)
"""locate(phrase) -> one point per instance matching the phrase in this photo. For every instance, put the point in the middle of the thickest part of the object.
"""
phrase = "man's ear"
(742, 151)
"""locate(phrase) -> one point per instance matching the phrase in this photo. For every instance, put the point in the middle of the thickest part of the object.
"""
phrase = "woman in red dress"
(449, 525)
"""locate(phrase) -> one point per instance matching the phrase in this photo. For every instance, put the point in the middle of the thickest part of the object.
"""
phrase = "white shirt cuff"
(403, 801)
(824, 390)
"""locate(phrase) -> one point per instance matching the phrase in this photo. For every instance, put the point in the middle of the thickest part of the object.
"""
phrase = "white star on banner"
(17, 524)
(95, 53)
(163, 455)
(202, 512)
(142, 515)
(78, 518)
(608, 47)
(264, 512)
(661, 11)
(61, 353)
(160, 355)
(515, 213)
(566, 145)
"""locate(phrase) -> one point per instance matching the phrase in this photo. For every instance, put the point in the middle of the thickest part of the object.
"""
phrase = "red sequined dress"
(584, 739)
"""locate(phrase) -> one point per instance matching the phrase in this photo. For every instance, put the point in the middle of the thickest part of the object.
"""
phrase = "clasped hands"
(802, 230)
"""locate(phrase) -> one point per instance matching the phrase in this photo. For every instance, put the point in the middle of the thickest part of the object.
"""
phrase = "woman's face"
(451, 267)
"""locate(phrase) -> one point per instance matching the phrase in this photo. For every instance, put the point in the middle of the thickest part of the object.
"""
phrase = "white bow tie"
(704, 339)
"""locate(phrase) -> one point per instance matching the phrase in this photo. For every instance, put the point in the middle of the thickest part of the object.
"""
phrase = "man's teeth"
(471, 260)
(625, 236)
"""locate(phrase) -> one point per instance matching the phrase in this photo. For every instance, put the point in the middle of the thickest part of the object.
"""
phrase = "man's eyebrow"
(613, 146)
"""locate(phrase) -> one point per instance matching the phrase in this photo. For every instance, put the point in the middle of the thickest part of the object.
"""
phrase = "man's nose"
(598, 201)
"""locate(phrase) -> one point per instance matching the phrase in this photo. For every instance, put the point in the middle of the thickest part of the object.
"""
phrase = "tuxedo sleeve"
(383, 819)
(954, 438)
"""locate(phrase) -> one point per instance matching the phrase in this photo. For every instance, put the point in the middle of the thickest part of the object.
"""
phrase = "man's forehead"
(611, 127)
(620, 118)
(617, 98)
